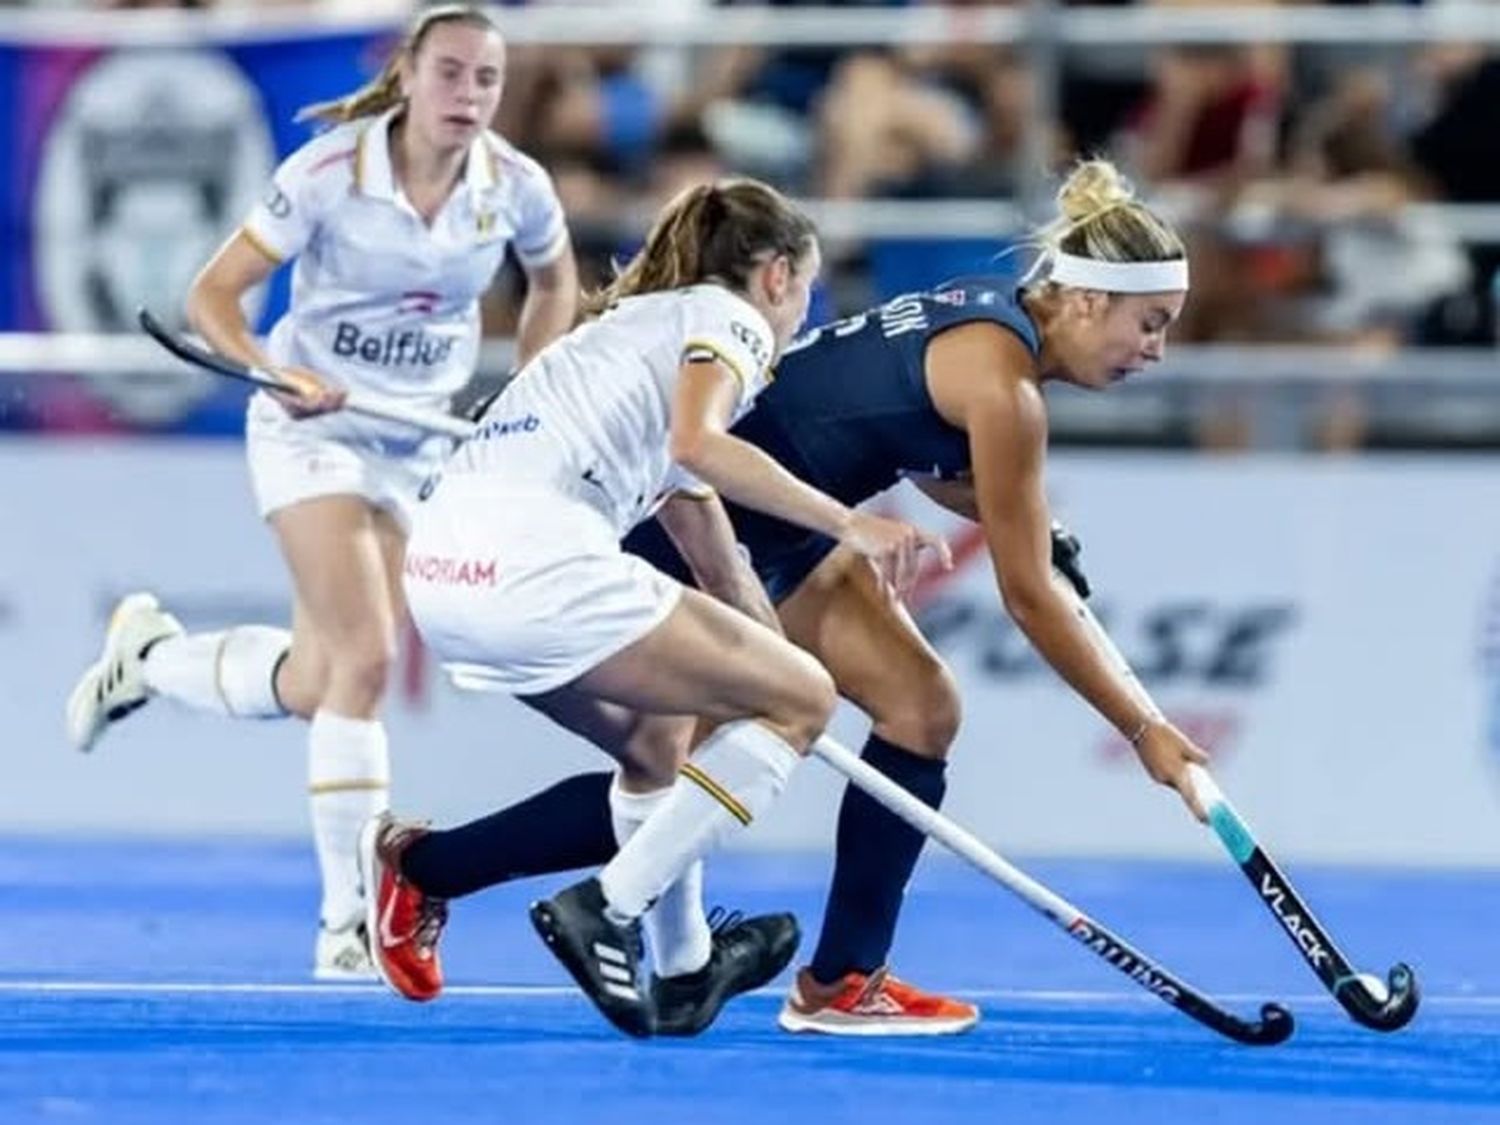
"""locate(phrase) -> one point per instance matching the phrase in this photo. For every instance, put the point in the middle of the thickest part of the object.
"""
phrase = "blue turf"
(134, 915)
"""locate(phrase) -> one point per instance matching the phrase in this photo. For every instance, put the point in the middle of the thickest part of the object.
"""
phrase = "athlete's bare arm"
(701, 443)
(981, 380)
(551, 305)
(699, 527)
(214, 311)
(213, 303)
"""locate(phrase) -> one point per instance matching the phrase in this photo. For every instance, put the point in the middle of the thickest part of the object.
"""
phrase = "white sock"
(733, 777)
(231, 672)
(348, 776)
(676, 929)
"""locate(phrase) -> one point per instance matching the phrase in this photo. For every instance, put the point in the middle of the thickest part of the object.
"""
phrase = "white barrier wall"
(1320, 623)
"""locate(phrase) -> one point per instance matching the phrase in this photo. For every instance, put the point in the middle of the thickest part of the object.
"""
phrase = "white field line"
(545, 991)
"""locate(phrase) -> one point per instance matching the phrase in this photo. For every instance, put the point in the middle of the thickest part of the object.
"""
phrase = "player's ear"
(1084, 305)
(1095, 303)
(778, 278)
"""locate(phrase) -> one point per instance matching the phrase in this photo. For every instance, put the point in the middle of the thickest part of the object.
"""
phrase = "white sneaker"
(343, 955)
(115, 684)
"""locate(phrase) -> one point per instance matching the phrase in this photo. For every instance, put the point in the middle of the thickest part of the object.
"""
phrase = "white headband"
(1119, 277)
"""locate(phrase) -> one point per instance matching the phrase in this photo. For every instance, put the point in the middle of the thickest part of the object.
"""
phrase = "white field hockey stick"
(432, 421)
(1275, 1023)
(1382, 1006)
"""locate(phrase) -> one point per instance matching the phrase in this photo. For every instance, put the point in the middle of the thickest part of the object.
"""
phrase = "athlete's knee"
(360, 669)
(300, 682)
(922, 712)
(808, 704)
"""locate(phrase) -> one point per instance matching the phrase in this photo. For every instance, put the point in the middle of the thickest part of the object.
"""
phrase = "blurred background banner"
(1348, 695)
(128, 168)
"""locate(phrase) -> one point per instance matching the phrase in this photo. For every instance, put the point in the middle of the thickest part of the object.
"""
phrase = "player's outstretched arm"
(700, 442)
(1005, 419)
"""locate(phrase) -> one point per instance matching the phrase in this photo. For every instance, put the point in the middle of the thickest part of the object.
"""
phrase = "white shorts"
(293, 460)
(524, 591)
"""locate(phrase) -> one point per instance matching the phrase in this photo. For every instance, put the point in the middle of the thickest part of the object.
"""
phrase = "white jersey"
(590, 415)
(381, 302)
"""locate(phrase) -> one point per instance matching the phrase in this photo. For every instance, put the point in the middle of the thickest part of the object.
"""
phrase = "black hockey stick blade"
(1347, 985)
(189, 352)
(1274, 1026)
(1275, 1022)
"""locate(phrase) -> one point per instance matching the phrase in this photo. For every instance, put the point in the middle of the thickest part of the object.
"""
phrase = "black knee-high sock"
(876, 851)
(559, 829)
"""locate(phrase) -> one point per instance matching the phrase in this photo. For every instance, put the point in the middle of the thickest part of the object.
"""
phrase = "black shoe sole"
(635, 1020)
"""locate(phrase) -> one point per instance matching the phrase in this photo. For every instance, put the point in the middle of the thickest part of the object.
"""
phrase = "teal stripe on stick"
(1233, 831)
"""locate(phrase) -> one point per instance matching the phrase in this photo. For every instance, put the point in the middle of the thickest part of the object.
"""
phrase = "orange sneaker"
(403, 923)
(877, 1004)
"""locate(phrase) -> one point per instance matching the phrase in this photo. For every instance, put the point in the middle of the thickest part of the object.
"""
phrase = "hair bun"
(1093, 187)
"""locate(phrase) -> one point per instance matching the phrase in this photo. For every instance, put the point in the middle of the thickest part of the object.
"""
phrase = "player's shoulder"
(709, 301)
(714, 310)
(328, 159)
(991, 297)
(716, 300)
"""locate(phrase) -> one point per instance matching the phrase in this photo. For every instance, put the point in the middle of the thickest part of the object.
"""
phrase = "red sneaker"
(877, 1004)
(403, 923)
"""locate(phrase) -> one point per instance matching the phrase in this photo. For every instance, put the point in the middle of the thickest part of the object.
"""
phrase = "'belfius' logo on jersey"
(396, 348)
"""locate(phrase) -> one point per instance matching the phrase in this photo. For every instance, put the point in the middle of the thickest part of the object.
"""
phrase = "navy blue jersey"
(849, 410)
(850, 413)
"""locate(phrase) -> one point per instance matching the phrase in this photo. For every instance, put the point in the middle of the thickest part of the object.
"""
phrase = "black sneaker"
(747, 953)
(603, 957)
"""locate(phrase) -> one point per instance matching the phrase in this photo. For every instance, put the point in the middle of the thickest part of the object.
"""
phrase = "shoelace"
(432, 916)
(720, 919)
(874, 985)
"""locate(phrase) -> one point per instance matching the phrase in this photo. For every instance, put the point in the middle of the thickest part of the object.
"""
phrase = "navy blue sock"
(875, 854)
(559, 829)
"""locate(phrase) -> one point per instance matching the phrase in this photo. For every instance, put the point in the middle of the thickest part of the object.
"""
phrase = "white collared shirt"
(591, 413)
(381, 302)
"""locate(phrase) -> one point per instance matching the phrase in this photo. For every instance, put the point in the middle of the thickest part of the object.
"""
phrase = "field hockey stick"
(1382, 1007)
(1275, 1023)
(433, 421)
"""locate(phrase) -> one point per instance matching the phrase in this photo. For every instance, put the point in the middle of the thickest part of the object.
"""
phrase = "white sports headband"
(1119, 277)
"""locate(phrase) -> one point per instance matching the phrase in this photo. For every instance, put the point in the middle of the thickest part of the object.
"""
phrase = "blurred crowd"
(1290, 166)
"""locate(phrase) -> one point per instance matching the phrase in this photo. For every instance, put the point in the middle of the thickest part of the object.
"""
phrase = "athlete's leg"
(770, 700)
(146, 653)
(883, 664)
(340, 550)
(580, 823)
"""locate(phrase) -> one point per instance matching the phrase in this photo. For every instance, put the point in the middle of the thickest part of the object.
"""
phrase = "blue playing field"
(166, 982)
